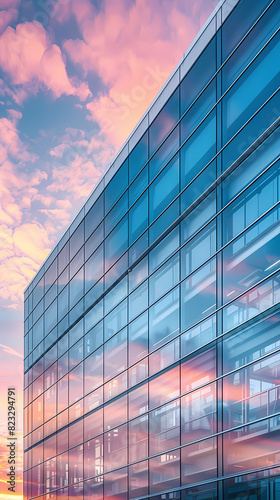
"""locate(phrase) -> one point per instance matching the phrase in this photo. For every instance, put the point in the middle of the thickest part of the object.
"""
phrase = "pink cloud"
(29, 58)
(6, 17)
(117, 45)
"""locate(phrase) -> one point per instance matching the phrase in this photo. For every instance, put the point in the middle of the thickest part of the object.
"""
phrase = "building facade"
(152, 333)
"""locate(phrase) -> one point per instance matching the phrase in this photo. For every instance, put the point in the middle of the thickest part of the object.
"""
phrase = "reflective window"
(166, 277)
(93, 366)
(138, 273)
(166, 119)
(138, 186)
(94, 216)
(116, 186)
(138, 480)
(115, 413)
(138, 338)
(76, 383)
(198, 295)
(94, 268)
(93, 424)
(164, 154)
(198, 111)
(198, 370)
(198, 150)
(198, 250)
(164, 319)
(116, 213)
(138, 401)
(138, 217)
(76, 287)
(138, 157)
(199, 461)
(251, 90)
(164, 387)
(115, 355)
(94, 241)
(115, 320)
(116, 243)
(164, 221)
(164, 357)
(198, 217)
(198, 414)
(164, 189)
(77, 239)
(164, 428)
(93, 457)
(115, 448)
(165, 471)
(199, 335)
(138, 300)
(198, 76)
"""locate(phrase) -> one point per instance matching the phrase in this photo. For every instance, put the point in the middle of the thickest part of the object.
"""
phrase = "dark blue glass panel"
(163, 155)
(239, 22)
(198, 186)
(94, 268)
(164, 221)
(138, 218)
(63, 258)
(198, 76)
(163, 123)
(138, 248)
(138, 186)
(116, 213)
(94, 241)
(253, 42)
(116, 186)
(164, 249)
(164, 189)
(94, 216)
(116, 243)
(256, 85)
(77, 239)
(198, 111)
(198, 217)
(198, 150)
(138, 157)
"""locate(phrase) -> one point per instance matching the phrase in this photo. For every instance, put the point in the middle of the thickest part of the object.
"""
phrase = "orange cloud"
(29, 58)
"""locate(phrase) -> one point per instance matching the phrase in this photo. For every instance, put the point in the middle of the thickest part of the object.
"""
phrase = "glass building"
(152, 339)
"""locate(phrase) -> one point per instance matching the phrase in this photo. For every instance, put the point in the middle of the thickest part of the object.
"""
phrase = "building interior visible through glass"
(152, 339)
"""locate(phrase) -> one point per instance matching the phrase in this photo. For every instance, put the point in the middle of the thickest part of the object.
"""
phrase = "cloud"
(6, 17)
(30, 60)
(117, 45)
(11, 351)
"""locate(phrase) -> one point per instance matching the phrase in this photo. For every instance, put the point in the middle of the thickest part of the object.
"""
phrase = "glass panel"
(94, 241)
(244, 452)
(138, 480)
(198, 217)
(94, 216)
(198, 250)
(115, 355)
(138, 401)
(138, 274)
(116, 213)
(115, 320)
(138, 186)
(76, 287)
(115, 413)
(252, 89)
(116, 243)
(77, 239)
(164, 428)
(164, 221)
(115, 295)
(138, 218)
(93, 370)
(198, 370)
(198, 76)
(76, 354)
(63, 258)
(164, 387)
(238, 24)
(164, 357)
(138, 338)
(163, 123)
(138, 157)
(199, 461)
(138, 300)
(76, 384)
(199, 110)
(93, 424)
(164, 154)
(252, 204)
(138, 438)
(198, 414)
(115, 485)
(164, 319)
(251, 343)
(198, 150)
(94, 338)
(94, 315)
(251, 393)
(196, 337)
(165, 472)
(115, 448)
(116, 186)
(76, 464)
(94, 268)
(164, 249)
(165, 278)
(194, 191)
(93, 457)
(199, 294)
(164, 189)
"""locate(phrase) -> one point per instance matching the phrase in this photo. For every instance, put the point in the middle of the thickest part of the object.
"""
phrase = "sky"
(75, 78)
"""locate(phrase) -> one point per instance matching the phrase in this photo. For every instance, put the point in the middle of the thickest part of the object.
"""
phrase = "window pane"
(198, 150)
(115, 355)
(199, 295)
(77, 239)
(138, 338)
(116, 186)
(94, 216)
(199, 110)
(138, 186)
(198, 414)
(164, 249)
(115, 320)
(163, 155)
(198, 370)
(116, 243)
(115, 448)
(164, 357)
(138, 300)
(93, 370)
(138, 218)
(198, 76)
(165, 278)
(93, 457)
(138, 438)
(198, 250)
(138, 401)
(164, 428)
(164, 319)
(115, 413)
(116, 213)
(164, 387)
(198, 336)
(138, 157)
(199, 461)
(164, 189)
(165, 472)
(138, 480)
(164, 122)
